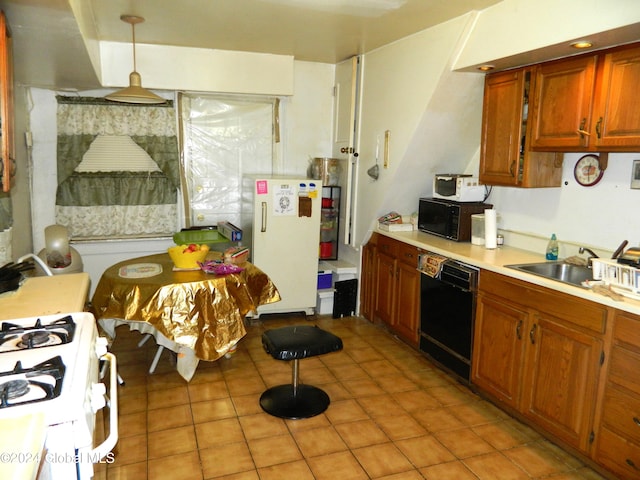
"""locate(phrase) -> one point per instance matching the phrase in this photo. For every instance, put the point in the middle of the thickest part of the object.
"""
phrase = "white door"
(345, 146)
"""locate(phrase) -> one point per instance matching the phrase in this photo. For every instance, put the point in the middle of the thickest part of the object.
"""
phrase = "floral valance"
(81, 119)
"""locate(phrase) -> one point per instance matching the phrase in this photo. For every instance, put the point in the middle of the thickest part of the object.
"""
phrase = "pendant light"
(134, 93)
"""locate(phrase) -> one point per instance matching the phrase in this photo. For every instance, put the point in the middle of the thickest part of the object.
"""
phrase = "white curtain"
(224, 139)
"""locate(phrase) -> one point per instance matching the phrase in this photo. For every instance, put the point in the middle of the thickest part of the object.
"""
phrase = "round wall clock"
(587, 171)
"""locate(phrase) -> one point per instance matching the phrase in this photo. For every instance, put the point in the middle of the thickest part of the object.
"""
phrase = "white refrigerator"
(281, 224)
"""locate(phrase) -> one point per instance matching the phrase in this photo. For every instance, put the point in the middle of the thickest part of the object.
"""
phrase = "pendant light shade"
(134, 93)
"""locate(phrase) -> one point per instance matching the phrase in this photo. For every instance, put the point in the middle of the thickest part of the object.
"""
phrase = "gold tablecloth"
(197, 310)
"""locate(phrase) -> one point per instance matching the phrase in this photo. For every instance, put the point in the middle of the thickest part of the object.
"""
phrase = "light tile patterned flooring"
(393, 415)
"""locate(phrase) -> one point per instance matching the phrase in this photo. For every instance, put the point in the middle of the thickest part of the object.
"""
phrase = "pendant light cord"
(133, 36)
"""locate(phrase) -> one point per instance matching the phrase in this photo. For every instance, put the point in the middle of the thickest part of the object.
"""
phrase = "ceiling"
(50, 52)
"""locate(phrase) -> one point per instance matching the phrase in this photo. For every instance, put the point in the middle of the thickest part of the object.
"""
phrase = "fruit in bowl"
(188, 256)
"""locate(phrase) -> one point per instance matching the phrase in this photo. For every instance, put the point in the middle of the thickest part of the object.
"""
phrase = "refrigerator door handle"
(263, 228)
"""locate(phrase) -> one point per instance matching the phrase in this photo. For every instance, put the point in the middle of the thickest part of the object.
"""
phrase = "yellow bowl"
(182, 259)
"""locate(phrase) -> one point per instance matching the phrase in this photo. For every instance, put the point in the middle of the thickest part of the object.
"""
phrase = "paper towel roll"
(490, 228)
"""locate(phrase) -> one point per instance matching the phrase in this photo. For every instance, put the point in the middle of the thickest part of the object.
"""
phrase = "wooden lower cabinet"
(407, 312)
(561, 377)
(391, 286)
(538, 363)
(498, 349)
(385, 288)
(618, 438)
(367, 280)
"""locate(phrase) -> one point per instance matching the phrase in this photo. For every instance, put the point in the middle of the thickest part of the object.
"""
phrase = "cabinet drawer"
(408, 254)
(576, 311)
(622, 413)
(618, 455)
(627, 329)
(388, 246)
(624, 367)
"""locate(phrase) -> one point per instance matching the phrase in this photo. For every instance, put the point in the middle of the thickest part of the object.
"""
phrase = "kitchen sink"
(560, 271)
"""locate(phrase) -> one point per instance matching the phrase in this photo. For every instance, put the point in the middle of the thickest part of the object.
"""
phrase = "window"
(224, 138)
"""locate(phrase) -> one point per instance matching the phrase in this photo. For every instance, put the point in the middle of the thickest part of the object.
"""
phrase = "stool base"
(280, 401)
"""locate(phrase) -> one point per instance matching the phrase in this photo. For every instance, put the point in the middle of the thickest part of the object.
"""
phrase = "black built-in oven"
(447, 309)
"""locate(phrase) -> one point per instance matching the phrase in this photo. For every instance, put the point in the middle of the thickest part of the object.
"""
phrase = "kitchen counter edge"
(495, 260)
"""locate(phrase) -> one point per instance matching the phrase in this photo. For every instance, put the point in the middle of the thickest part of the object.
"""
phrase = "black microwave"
(447, 218)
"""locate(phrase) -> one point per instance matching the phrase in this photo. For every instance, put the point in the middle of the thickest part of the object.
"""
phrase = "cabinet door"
(618, 438)
(367, 290)
(617, 111)
(6, 107)
(501, 127)
(385, 287)
(407, 302)
(498, 349)
(562, 104)
(505, 156)
(559, 388)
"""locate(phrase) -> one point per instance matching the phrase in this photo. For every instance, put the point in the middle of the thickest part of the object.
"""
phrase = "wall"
(519, 32)
(433, 116)
(306, 132)
(20, 193)
(306, 126)
(599, 217)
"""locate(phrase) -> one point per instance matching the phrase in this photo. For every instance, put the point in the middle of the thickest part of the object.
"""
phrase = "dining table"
(196, 314)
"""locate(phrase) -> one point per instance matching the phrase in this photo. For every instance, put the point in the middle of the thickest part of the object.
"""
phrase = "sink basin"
(559, 271)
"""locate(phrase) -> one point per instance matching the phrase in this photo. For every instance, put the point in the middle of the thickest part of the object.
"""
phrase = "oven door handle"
(451, 284)
(109, 443)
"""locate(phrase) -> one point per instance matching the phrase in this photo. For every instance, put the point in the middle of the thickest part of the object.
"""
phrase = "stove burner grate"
(37, 335)
(35, 378)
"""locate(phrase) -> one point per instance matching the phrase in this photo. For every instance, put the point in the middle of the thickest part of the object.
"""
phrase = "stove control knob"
(98, 396)
(101, 346)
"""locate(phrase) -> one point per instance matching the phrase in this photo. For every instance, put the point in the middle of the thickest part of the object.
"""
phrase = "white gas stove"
(50, 365)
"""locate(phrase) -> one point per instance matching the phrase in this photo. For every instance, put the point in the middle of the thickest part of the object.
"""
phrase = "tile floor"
(393, 415)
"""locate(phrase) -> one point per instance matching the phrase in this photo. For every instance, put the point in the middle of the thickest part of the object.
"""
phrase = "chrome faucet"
(592, 254)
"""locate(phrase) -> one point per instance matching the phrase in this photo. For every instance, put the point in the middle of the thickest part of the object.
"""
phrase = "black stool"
(294, 343)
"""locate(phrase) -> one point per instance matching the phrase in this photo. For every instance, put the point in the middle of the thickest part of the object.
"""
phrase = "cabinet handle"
(636, 420)
(581, 129)
(630, 463)
(598, 126)
(263, 227)
(512, 168)
(532, 334)
(519, 330)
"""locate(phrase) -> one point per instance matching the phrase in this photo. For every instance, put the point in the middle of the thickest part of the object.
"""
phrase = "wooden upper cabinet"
(588, 103)
(6, 106)
(562, 103)
(501, 127)
(505, 156)
(617, 107)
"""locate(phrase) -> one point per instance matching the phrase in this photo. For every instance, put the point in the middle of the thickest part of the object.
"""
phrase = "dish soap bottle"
(552, 248)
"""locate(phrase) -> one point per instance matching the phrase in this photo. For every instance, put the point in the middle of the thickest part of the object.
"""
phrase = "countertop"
(496, 259)
(47, 295)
